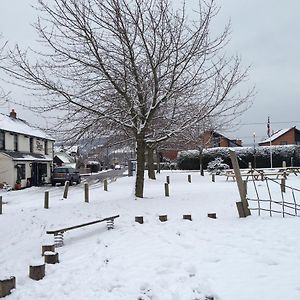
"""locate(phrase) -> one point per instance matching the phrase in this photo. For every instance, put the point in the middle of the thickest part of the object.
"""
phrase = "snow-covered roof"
(24, 156)
(16, 125)
(276, 135)
(64, 157)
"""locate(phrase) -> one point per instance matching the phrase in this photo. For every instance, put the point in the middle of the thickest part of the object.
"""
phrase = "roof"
(20, 126)
(276, 135)
(25, 156)
(64, 157)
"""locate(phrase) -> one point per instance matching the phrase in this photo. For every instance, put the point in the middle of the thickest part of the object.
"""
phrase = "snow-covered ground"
(226, 258)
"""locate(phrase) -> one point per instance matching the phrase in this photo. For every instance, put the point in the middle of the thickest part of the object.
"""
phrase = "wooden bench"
(58, 233)
(253, 175)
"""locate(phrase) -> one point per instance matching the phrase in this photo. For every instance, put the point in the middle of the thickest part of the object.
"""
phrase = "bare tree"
(137, 65)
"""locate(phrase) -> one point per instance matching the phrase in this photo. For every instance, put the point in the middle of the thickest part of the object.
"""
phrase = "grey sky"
(264, 33)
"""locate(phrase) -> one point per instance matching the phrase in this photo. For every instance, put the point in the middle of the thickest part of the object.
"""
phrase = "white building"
(26, 153)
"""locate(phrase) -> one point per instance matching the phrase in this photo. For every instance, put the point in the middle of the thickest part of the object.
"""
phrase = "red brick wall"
(288, 137)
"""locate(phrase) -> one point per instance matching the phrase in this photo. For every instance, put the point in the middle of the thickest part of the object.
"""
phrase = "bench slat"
(81, 225)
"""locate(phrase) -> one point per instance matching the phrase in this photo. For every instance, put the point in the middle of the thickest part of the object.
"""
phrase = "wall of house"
(288, 137)
(24, 144)
(7, 170)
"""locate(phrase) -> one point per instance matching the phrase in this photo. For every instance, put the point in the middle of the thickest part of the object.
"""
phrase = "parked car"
(117, 167)
(63, 174)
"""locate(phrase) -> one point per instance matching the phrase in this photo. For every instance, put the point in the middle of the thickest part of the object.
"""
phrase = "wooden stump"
(212, 215)
(46, 200)
(0, 205)
(86, 192)
(51, 257)
(187, 217)
(168, 179)
(65, 196)
(189, 178)
(48, 248)
(213, 177)
(163, 218)
(139, 219)
(37, 272)
(167, 192)
(105, 185)
(7, 285)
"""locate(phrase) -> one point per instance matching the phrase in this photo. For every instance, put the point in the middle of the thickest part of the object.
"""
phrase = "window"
(2, 140)
(31, 145)
(20, 171)
(16, 142)
(46, 147)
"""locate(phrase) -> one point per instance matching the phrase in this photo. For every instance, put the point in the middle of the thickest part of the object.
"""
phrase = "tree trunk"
(140, 168)
(151, 167)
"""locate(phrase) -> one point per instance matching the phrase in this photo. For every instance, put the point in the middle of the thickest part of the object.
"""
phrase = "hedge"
(190, 160)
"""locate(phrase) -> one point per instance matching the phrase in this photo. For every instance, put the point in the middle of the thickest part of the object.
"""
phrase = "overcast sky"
(265, 35)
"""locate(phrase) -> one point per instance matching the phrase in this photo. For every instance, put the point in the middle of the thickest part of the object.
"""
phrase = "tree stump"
(139, 219)
(48, 248)
(163, 218)
(6, 285)
(187, 217)
(189, 178)
(212, 215)
(51, 257)
(37, 272)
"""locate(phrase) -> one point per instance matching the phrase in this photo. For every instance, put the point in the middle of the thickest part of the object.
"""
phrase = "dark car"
(63, 174)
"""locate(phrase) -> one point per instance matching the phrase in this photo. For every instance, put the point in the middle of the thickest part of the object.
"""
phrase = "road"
(109, 174)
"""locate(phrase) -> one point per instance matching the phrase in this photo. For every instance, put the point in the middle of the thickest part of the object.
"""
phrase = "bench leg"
(110, 224)
(58, 239)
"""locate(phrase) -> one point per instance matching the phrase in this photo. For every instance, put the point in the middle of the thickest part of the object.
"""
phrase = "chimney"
(13, 114)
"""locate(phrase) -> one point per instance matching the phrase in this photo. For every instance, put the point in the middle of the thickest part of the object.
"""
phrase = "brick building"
(288, 136)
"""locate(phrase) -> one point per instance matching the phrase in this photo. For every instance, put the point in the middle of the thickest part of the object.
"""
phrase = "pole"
(271, 160)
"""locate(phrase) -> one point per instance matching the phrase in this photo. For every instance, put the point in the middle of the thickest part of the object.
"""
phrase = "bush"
(217, 166)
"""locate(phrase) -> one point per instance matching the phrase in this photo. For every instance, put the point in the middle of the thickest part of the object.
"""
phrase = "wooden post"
(239, 181)
(139, 219)
(65, 196)
(7, 285)
(105, 184)
(284, 164)
(187, 217)
(282, 185)
(163, 218)
(212, 215)
(86, 192)
(239, 206)
(213, 177)
(249, 165)
(46, 200)
(47, 248)
(167, 192)
(168, 179)
(245, 186)
(1, 205)
(37, 272)
(51, 257)
(189, 178)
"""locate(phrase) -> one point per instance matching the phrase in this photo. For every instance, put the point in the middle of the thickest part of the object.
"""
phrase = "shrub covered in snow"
(217, 166)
